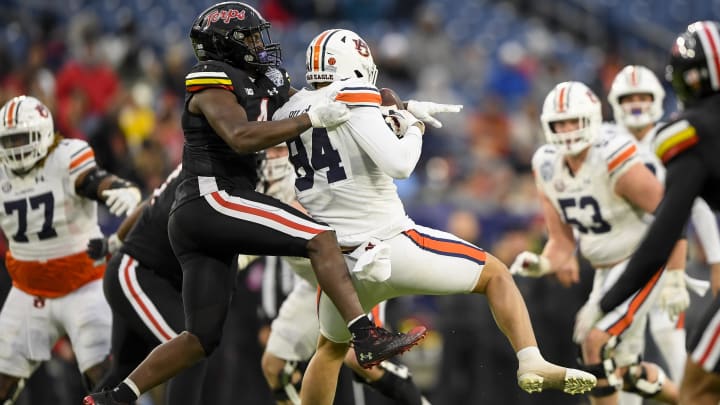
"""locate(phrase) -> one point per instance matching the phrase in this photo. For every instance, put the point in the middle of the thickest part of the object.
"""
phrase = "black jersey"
(148, 240)
(205, 153)
(689, 146)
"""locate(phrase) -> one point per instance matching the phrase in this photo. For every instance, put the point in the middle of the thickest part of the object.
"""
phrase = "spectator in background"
(87, 87)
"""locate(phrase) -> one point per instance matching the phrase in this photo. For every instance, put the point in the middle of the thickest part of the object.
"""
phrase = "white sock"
(530, 354)
(354, 319)
(132, 387)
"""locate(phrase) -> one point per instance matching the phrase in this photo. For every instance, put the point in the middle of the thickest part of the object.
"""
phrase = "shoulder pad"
(358, 93)
(74, 155)
(616, 150)
(673, 138)
(209, 74)
(543, 162)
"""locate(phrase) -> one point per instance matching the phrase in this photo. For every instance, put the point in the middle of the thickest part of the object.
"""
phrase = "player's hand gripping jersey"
(608, 226)
(337, 168)
(48, 224)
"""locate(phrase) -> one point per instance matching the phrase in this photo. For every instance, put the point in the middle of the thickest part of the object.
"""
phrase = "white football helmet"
(571, 100)
(276, 164)
(336, 55)
(26, 133)
(634, 79)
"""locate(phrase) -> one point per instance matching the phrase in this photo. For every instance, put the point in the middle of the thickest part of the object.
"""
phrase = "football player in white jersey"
(345, 179)
(592, 184)
(294, 331)
(636, 97)
(50, 187)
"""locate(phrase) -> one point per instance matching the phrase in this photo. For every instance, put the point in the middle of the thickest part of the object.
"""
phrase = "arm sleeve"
(705, 224)
(685, 177)
(396, 157)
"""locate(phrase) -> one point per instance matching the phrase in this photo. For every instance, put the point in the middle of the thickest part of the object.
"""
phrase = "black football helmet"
(220, 33)
(694, 68)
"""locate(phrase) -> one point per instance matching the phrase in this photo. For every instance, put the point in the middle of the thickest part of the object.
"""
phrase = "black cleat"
(101, 398)
(380, 344)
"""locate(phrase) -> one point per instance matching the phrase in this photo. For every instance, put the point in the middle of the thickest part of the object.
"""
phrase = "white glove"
(425, 110)
(585, 320)
(327, 115)
(400, 120)
(674, 297)
(529, 264)
(121, 201)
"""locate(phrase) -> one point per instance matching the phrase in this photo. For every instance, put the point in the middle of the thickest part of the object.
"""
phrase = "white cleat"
(568, 380)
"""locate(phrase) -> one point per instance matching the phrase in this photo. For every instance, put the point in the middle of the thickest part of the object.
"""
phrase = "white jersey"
(345, 174)
(645, 148)
(42, 216)
(609, 228)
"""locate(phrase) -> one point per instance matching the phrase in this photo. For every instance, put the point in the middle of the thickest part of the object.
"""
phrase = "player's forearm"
(395, 157)
(254, 136)
(558, 253)
(678, 256)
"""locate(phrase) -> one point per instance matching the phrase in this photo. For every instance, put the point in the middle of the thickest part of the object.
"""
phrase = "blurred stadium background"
(112, 71)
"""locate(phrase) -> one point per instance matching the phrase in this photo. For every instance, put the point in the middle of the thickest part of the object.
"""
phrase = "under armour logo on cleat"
(366, 356)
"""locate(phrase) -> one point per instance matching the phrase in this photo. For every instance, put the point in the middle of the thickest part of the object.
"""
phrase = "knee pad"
(636, 381)
(604, 370)
(287, 390)
(13, 393)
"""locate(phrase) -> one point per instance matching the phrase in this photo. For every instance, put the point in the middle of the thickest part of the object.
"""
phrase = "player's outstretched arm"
(121, 196)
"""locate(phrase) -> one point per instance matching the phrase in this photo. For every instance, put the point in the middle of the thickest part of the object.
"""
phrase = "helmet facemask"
(276, 165)
(26, 134)
(253, 48)
(572, 142)
(571, 101)
(636, 80)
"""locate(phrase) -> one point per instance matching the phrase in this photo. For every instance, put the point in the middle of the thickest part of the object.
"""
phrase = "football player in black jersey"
(230, 96)
(689, 146)
(143, 285)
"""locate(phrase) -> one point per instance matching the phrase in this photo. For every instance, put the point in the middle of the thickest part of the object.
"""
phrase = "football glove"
(99, 248)
(401, 120)
(327, 115)
(121, 201)
(674, 297)
(529, 264)
(425, 111)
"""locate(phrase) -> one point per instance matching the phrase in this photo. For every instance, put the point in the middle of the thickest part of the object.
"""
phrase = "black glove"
(100, 248)
(97, 248)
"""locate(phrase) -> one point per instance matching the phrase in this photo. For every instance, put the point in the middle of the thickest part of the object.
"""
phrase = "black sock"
(123, 393)
(359, 328)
